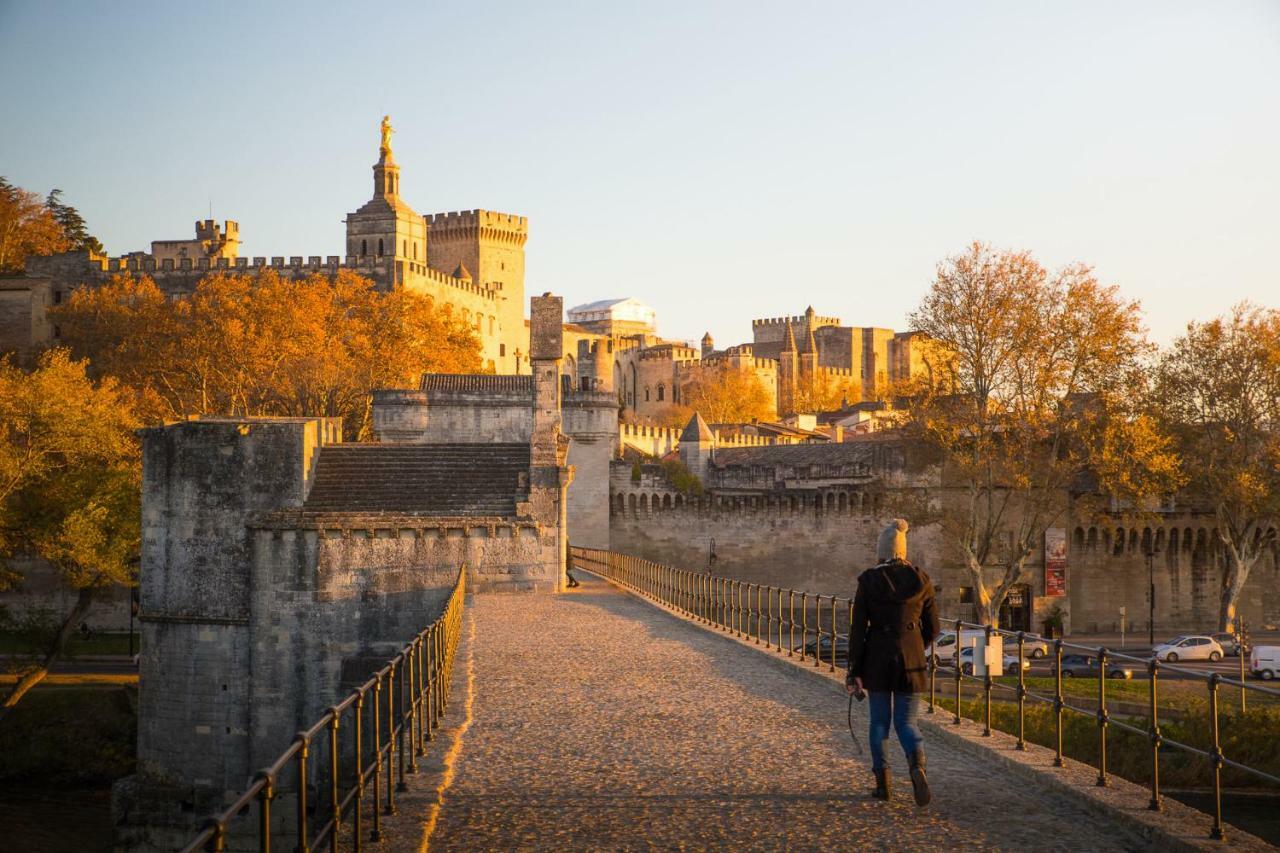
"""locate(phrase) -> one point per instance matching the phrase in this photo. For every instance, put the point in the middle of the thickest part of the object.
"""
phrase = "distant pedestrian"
(570, 580)
(894, 620)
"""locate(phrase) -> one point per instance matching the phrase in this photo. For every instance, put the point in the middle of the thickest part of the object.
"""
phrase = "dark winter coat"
(894, 620)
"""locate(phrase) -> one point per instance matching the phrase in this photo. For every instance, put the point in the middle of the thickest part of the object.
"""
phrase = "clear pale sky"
(720, 161)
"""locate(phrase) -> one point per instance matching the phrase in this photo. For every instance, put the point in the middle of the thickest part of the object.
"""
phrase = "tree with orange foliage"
(722, 394)
(27, 227)
(1217, 392)
(1037, 380)
(69, 487)
(263, 344)
(826, 393)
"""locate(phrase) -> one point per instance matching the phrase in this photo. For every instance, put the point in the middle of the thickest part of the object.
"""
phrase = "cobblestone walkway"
(601, 722)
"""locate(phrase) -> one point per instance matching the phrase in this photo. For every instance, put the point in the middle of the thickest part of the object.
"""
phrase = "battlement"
(670, 352)
(290, 265)
(743, 440)
(840, 372)
(626, 431)
(469, 220)
(744, 359)
(459, 283)
(795, 321)
(208, 229)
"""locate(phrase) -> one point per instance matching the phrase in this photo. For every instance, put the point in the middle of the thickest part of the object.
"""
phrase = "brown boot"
(882, 790)
(919, 783)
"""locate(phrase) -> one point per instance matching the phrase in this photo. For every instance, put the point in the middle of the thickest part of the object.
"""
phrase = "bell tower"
(385, 232)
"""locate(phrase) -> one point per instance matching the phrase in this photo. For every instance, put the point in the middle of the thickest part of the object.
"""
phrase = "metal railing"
(768, 615)
(397, 710)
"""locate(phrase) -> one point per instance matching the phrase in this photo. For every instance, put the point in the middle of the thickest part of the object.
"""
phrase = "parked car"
(1086, 666)
(944, 648)
(822, 650)
(1010, 662)
(1192, 647)
(1229, 642)
(1264, 662)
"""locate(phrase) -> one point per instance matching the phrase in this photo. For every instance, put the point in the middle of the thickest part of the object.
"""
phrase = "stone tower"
(697, 445)
(788, 370)
(708, 345)
(549, 475)
(385, 227)
(490, 246)
(807, 360)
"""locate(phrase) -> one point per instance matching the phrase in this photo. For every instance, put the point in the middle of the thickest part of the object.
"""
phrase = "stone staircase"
(420, 479)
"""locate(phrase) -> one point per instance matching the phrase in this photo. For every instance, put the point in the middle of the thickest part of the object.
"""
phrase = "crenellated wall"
(796, 515)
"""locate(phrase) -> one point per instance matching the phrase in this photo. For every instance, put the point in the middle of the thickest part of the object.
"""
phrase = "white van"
(1264, 662)
(944, 645)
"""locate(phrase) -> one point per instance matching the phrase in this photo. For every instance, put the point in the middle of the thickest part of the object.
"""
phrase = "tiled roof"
(420, 479)
(477, 382)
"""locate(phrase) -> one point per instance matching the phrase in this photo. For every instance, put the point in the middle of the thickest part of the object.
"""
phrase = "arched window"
(415, 250)
(491, 324)
(646, 393)
(404, 247)
(364, 248)
(380, 248)
(662, 393)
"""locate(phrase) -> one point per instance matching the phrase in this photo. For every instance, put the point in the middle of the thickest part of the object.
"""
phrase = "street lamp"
(1150, 549)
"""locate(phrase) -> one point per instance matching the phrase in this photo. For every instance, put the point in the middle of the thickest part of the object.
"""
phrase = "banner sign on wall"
(1055, 561)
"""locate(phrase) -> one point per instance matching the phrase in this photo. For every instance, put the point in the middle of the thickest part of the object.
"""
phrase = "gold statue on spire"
(385, 148)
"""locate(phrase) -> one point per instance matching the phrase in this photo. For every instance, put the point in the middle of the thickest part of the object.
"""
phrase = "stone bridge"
(599, 720)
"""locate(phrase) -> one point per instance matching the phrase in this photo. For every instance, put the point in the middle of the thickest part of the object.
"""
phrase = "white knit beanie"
(893, 541)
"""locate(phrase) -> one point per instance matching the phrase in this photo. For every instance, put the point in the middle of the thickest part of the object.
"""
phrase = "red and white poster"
(1055, 561)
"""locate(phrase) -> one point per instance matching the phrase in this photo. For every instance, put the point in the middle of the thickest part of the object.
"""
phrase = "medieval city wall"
(25, 299)
(797, 541)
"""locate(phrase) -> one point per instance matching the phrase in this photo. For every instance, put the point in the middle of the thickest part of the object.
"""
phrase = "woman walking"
(894, 620)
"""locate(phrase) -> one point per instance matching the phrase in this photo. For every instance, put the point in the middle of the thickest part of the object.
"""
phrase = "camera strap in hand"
(857, 744)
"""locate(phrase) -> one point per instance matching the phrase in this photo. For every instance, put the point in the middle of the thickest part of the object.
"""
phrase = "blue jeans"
(900, 708)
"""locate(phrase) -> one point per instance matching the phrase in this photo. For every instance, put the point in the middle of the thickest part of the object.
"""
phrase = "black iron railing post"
(401, 785)
(834, 635)
(986, 682)
(410, 713)
(1058, 703)
(391, 742)
(736, 606)
(376, 833)
(357, 779)
(933, 680)
(1243, 690)
(791, 621)
(335, 805)
(1215, 756)
(304, 744)
(956, 661)
(264, 811)
(1022, 694)
(804, 624)
(1153, 667)
(1102, 718)
(420, 695)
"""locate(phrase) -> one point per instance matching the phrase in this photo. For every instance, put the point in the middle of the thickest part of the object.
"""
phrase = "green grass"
(1173, 694)
(1252, 738)
(73, 736)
